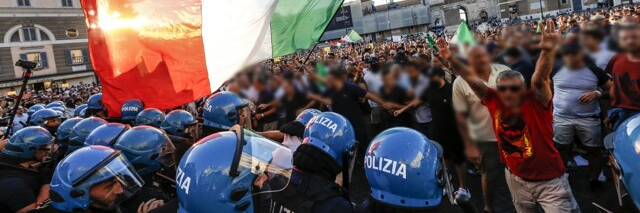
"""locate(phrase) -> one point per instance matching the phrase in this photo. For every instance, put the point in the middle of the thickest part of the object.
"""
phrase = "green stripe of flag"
(298, 24)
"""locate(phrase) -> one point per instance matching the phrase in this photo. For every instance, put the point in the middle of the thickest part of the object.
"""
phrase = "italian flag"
(171, 52)
(352, 36)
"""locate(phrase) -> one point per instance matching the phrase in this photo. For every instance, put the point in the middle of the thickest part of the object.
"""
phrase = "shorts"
(490, 164)
(586, 129)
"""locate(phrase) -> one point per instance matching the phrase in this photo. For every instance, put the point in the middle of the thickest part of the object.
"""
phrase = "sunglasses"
(510, 88)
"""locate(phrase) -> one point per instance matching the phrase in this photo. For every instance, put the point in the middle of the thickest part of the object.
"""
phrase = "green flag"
(352, 36)
(321, 71)
(463, 35)
(431, 42)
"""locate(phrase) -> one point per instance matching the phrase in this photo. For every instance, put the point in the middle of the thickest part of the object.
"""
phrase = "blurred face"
(479, 59)
(105, 195)
(588, 42)
(389, 80)
(19, 111)
(573, 61)
(510, 91)
(630, 40)
(413, 72)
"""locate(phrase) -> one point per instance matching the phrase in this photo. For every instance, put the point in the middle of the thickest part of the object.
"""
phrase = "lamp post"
(541, 10)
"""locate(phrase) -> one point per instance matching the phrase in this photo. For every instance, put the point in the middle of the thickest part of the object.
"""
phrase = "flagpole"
(323, 31)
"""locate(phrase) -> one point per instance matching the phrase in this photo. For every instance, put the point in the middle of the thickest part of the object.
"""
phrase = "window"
(38, 57)
(564, 2)
(537, 5)
(72, 33)
(29, 34)
(463, 14)
(24, 3)
(77, 56)
(15, 37)
(67, 3)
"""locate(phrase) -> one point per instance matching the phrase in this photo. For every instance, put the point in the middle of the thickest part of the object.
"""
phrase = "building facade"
(52, 33)
(451, 12)
(382, 21)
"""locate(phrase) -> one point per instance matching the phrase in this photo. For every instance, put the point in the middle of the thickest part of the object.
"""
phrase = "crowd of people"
(286, 135)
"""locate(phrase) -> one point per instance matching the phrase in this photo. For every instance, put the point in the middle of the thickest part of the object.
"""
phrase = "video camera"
(26, 64)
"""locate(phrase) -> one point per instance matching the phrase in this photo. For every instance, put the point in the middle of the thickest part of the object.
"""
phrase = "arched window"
(484, 15)
(33, 33)
(463, 13)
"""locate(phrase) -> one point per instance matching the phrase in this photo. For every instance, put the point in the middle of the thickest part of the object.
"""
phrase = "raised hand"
(550, 38)
(443, 50)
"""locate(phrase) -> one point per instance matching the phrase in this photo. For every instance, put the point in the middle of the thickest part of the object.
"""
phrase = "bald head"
(479, 60)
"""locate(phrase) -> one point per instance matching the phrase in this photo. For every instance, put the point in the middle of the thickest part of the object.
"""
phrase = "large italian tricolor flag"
(170, 52)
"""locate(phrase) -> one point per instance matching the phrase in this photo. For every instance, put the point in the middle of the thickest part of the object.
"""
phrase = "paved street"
(502, 203)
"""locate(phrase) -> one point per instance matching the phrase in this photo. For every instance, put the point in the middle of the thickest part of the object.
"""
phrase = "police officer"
(47, 118)
(78, 110)
(130, 110)
(241, 169)
(92, 179)
(327, 149)
(397, 186)
(95, 107)
(223, 110)
(34, 109)
(150, 117)
(55, 104)
(291, 134)
(22, 183)
(182, 128)
(62, 138)
(81, 131)
(106, 135)
(152, 153)
(60, 110)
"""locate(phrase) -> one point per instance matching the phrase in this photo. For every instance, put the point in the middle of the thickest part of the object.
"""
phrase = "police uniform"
(19, 186)
(154, 187)
(373, 206)
(309, 193)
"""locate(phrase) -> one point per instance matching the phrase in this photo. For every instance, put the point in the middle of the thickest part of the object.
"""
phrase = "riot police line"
(173, 163)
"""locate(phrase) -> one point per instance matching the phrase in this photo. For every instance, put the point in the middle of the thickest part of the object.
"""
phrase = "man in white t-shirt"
(19, 120)
(373, 78)
(475, 122)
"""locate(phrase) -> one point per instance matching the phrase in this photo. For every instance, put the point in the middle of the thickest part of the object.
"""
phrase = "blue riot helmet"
(55, 104)
(332, 134)
(296, 127)
(95, 106)
(26, 142)
(106, 135)
(626, 154)
(147, 148)
(404, 169)
(64, 130)
(82, 130)
(83, 113)
(60, 110)
(95, 102)
(305, 116)
(177, 123)
(93, 170)
(150, 117)
(131, 108)
(34, 109)
(78, 110)
(220, 171)
(224, 109)
(44, 116)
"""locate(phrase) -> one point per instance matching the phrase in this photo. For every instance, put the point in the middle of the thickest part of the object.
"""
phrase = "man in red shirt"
(623, 69)
(522, 121)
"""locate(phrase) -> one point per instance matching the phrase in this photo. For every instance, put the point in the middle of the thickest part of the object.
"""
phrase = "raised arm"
(457, 67)
(541, 81)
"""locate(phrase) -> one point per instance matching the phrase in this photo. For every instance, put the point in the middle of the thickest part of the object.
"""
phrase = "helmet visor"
(111, 182)
(244, 117)
(167, 150)
(269, 161)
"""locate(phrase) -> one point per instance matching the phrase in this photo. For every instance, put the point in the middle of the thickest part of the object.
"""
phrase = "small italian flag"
(171, 52)
(463, 35)
(352, 36)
